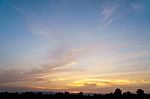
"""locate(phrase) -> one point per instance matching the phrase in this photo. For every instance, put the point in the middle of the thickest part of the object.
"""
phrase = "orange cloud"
(106, 82)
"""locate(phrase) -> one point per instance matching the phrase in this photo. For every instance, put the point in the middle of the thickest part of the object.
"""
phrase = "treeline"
(117, 94)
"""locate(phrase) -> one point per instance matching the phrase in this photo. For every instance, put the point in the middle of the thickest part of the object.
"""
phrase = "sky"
(74, 45)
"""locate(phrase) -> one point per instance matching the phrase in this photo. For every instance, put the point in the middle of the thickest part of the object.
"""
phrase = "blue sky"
(50, 39)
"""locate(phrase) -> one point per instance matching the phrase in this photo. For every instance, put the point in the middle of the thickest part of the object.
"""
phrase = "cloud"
(136, 7)
(12, 75)
(61, 60)
(39, 30)
(72, 63)
(91, 88)
(108, 12)
(102, 82)
(36, 25)
(40, 79)
(19, 10)
(114, 79)
(14, 89)
(109, 84)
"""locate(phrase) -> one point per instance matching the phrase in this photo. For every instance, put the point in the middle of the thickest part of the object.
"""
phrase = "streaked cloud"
(72, 63)
(61, 60)
(108, 12)
(39, 30)
(13, 75)
(107, 82)
(18, 9)
(137, 7)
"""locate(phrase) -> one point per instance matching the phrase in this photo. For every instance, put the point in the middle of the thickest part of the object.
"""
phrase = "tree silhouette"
(40, 95)
(66, 93)
(140, 92)
(127, 93)
(81, 93)
(118, 91)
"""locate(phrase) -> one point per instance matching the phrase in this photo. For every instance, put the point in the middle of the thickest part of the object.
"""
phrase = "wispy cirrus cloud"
(39, 30)
(12, 75)
(19, 9)
(137, 7)
(36, 25)
(61, 60)
(108, 12)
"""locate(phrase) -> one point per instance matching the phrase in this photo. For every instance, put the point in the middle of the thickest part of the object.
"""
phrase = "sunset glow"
(74, 45)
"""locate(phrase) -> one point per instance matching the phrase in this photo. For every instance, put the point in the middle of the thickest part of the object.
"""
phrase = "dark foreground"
(39, 95)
